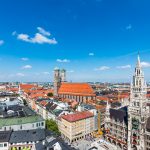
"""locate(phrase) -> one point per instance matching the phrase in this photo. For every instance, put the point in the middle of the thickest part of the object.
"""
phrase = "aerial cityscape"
(74, 75)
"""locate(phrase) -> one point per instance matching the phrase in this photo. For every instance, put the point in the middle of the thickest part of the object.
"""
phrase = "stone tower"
(137, 110)
(107, 116)
(63, 75)
(57, 81)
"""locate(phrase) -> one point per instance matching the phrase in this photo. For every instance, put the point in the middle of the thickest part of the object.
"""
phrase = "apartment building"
(76, 126)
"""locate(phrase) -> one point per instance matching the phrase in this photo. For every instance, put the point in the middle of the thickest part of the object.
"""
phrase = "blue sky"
(95, 40)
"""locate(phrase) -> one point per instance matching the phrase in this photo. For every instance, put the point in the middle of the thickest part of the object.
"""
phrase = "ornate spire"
(138, 60)
(107, 107)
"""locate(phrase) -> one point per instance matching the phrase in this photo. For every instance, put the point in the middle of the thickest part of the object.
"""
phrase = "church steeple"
(138, 61)
(137, 109)
(138, 78)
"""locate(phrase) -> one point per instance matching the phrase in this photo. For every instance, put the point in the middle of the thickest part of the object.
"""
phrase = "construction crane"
(99, 132)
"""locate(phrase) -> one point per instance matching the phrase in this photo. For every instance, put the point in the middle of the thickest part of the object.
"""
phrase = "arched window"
(140, 82)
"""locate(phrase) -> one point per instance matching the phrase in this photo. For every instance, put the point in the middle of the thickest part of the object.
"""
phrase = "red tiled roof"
(76, 89)
(43, 103)
(102, 98)
(13, 89)
(37, 95)
(27, 86)
(77, 116)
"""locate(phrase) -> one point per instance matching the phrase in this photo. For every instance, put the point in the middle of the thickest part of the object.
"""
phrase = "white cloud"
(27, 67)
(91, 54)
(46, 73)
(1, 42)
(129, 27)
(124, 67)
(145, 64)
(24, 59)
(40, 37)
(23, 37)
(20, 75)
(43, 31)
(63, 60)
(102, 68)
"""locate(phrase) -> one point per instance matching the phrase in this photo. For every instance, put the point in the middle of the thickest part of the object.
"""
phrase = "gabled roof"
(119, 114)
(50, 106)
(27, 86)
(5, 136)
(27, 136)
(78, 116)
(43, 103)
(76, 89)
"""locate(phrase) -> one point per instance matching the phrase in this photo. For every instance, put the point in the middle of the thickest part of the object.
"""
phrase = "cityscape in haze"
(75, 75)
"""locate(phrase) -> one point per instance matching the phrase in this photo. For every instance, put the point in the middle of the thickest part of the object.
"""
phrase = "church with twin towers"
(128, 127)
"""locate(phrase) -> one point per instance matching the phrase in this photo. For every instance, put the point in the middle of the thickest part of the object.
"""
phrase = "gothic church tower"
(137, 110)
(57, 81)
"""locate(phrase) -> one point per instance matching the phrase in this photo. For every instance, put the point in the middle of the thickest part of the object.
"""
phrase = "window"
(5, 144)
(140, 82)
(1, 145)
(42, 123)
(134, 103)
(136, 82)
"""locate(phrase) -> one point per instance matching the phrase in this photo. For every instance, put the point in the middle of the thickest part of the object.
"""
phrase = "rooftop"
(5, 136)
(18, 121)
(27, 136)
(119, 114)
(76, 89)
(27, 86)
(78, 116)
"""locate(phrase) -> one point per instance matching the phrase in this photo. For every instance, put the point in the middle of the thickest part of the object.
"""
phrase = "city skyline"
(93, 40)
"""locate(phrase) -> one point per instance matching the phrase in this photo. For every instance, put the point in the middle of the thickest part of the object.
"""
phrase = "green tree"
(52, 126)
(24, 102)
(50, 94)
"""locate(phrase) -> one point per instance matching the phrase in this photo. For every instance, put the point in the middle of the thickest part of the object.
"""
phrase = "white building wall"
(28, 126)
(2, 147)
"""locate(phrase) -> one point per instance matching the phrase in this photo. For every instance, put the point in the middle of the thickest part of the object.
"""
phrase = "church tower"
(57, 81)
(137, 110)
(63, 75)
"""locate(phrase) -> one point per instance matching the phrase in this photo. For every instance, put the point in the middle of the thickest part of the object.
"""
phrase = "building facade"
(128, 127)
(76, 126)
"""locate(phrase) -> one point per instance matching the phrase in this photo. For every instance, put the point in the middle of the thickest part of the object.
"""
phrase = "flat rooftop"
(18, 121)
